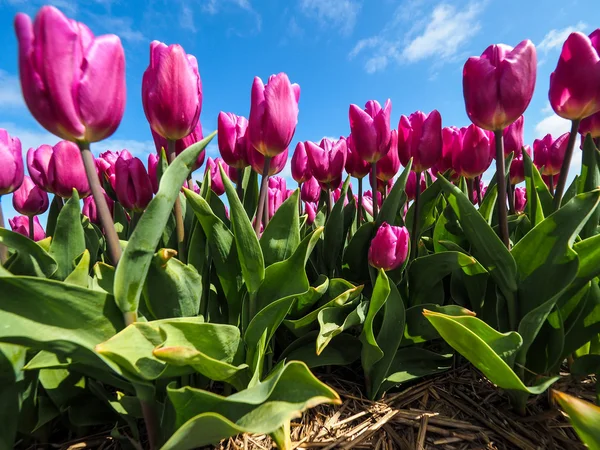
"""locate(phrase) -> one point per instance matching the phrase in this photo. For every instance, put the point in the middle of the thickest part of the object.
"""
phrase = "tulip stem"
(470, 189)
(112, 240)
(262, 199)
(478, 187)
(3, 248)
(360, 201)
(328, 201)
(511, 198)
(300, 201)
(239, 185)
(31, 231)
(551, 182)
(374, 189)
(564, 170)
(415, 228)
(177, 209)
(501, 181)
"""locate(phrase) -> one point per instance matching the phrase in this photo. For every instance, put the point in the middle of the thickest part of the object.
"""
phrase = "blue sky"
(339, 51)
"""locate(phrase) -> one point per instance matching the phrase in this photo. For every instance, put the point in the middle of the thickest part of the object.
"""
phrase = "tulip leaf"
(336, 319)
(292, 270)
(393, 201)
(251, 192)
(584, 322)
(121, 220)
(94, 239)
(335, 233)
(104, 277)
(32, 259)
(535, 211)
(590, 180)
(427, 203)
(80, 276)
(218, 208)
(305, 301)
(68, 241)
(282, 235)
(584, 416)
(342, 350)
(12, 360)
(249, 252)
(419, 329)
(487, 247)
(135, 262)
(443, 232)
(356, 266)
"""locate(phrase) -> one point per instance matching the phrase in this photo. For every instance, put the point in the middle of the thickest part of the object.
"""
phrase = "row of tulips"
(159, 299)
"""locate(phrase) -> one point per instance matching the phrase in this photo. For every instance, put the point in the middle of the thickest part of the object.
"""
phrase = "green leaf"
(371, 352)
(69, 239)
(393, 201)
(33, 259)
(104, 276)
(282, 235)
(55, 206)
(571, 191)
(336, 319)
(62, 386)
(248, 248)
(535, 211)
(121, 220)
(486, 245)
(135, 262)
(172, 288)
(590, 180)
(305, 301)
(80, 276)
(427, 203)
(356, 266)
(584, 416)
(584, 322)
(419, 329)
(203, 418)
(342, 350)
(12, 359)
(94, 239)
(335, 233)
(586, 365)
(251, 192)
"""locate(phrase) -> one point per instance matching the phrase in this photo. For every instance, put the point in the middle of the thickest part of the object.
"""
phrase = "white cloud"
(30, 137)
(340, 14)
(140, 149)
(555, 38)
(122, 27)
(552, 124)
(213, 6)
(10, 91)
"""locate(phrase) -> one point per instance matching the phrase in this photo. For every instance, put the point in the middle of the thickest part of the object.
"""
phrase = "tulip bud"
(337, 194)
(310, 190)
(549, 154)
(520, 199)
(216, 181)
(355, 165)
(310, 209)
(591, 125)
(153, 160)
(384, 187)
(277, 193)
(183, 143)
(483, 189)
(90, 211)
(66, 171)
(38, 161)
(411, 185)
(420, 137)
(257, 161)
(326, 161)
(574, 87)
(451, 143)
(273, 114)
(368, 201)
(20, 224)
(499, 84)
(233, 139)
(388, 166)
(29, 199)
(300, 169)
(517, 170)
(73, 82)
(371, 131)
(473, 157)
(513, 138)
(105, 164)
(389, 247)
(132, 185)
(11, 163)
(171, 91)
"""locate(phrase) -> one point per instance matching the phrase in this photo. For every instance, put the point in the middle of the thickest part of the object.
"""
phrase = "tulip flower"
(368, 201)
(21, 225)
(336, 194)
(471, 159)
(171, 91)
(38, 161)
(550, 181)
(29, 199)
(591, 125)
(91, 211)
(389, 247)
(548, 159)
(513, 138)
(273, 114)
(257, 161)
(233, 139)
(181, 144)
(411, 185)
(326, 161)
(451, 143)
(371, 131)
(300, 168)
(106, 162)
(153, 160)
(216, 182)
(73, 82)
(355, 165)
(276, 194)
(310, 209)
(420, 138)
(479, 193)
(517, 170)
(132, 185)
(66, 171)
(11, 163)
(310, 190)
(499, 84)
(520, 199)
(388, 166)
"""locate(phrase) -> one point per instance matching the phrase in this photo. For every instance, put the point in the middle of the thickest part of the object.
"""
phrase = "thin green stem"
(239, 184)
(328, 201)
(501, 181)
(470, 189)
(415, 228)
(177, 211)
(551, 182)
(564, 170)
(374, 189)
(478, 187)
(300, 201)
(262, 199)
(360, 201)
(31, 230)
(3, 248)
(511, 198)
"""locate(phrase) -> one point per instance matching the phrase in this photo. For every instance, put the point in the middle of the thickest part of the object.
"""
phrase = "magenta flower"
(66, 171)
(106, 162)
(277, 194)
(517, 170)
(300, 169)
(371, 130)
(355, 165)
(20, 224)
(420, 137)
(310, 209)
(11, 163)
(513, 138)
(233, 139)
(257, 161)
(520, 199)
(326, 161)
(30, 199)
(451, 143)
(388, 166)
(411, 185)
(38, 161)
(183, 143)
(473, 157)
(389, 247)
(153, 161)
(310, 190)
(91, 212)
(591, 125)
(132, 185)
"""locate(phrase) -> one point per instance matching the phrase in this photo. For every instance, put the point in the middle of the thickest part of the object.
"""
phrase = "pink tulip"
(326, 161)
(233, 139)
(482, 188)
(73, 82)
(451, 143)
(517, 170)
(355, 165)
(388, 166)
(551, 180)
(105, 164)
(29, 199)
(277, 193)
(337, 194)
(11, 163)
(273, 114)
(591, 125)
(371, 130)
(132, 185)
(411, 185)
(66, 171)
(368, 201)
(575, 83)
(310, 209)
(389, 247)
(257, 161)
(153, 160)
(216, 182)
(384, 186)
(499, 84)
(20, 224)
(171, 91)
(38, 161)
(300, 168)
(520, 199)
(548, 161)
(420, 137)
(473, 157)
(183, 143)
(310, 191)
(513, 138)
(90, 211)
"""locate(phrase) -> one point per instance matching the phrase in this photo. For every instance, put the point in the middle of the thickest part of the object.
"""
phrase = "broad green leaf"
(249, 252)
(584, 416)
(590, 180)
(335, 234)
(535, 211)
(55, 206)
(135, 262)
(427, 203)
(12, 359)
(584, 323)
(172, 288)
(251, 192)
(371, 352)
(489, 203)
(442, 233)
(586, 365)
(218, 208)
(393, 202)
(121, 220)
(94, 239)
(342, 350)
(282, 235)
(62, 386)
(544, 196)
(336, 319)
(203, 418)
(33, 259)
(571, 191)
(487, 247)
(104, 277)
(305, 301)
(80, 276)
(356, 266)
(419, 329)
